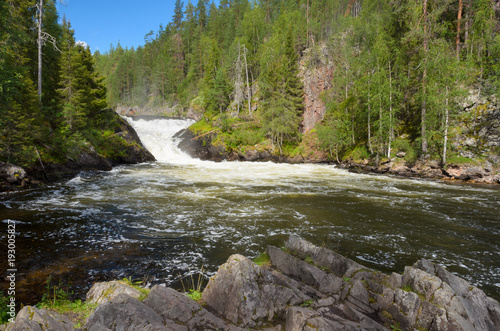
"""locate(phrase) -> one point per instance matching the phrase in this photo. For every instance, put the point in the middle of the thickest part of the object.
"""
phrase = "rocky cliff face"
(316, 71)
(478, 136)
(302, 287)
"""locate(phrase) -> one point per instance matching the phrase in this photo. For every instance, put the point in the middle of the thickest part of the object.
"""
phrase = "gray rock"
(359, 298)
(11, 173)
(336, 263)
(405, 308)
(23, 324)
(311, 275)
(34, 319)
(471, 142)
(124, 313)
(296, 318)
(421, 282)
(245, 293)
(103, 292)
(426, 315)
(177, 307)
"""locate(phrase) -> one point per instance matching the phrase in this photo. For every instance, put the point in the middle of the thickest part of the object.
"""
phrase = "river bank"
(129, 150)
(472, 171)
(299, 287)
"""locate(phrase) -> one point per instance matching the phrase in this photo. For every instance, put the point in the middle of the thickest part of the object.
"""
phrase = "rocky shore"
(13, 177)
(204, 149)
(299, 287)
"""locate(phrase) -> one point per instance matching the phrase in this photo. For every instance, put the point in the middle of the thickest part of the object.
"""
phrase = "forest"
(401, 69)
(400, 72)
(51, 95)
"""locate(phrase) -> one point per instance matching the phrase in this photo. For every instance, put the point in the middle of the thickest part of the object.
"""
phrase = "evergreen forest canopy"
(51, 95)
(400, 68)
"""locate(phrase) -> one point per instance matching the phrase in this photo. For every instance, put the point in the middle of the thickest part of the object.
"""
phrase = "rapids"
(161, 220)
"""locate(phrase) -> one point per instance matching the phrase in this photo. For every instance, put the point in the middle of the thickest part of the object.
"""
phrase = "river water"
(162, 220)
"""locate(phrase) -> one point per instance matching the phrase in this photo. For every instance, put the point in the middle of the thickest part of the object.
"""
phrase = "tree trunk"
(424, 76)
(249, 92)
(459, 19)
(40, 43)
(391, 128)
(369, 124)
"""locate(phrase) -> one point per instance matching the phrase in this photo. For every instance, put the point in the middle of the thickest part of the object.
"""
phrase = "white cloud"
(82, 43)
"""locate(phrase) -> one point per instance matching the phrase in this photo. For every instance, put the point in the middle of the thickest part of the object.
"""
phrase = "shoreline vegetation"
(293, 288)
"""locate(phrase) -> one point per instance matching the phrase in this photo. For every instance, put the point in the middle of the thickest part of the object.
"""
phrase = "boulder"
(178, 308)
(34, 319)
(103, 292)
(124, 313)
(11, 173)
(311, 275)
(336, 263)
(249, 295)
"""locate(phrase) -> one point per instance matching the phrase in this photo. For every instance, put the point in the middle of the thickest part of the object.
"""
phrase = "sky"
(100, 23)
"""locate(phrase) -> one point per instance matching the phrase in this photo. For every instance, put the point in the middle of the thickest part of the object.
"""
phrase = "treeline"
(57, 119)
(400, 68)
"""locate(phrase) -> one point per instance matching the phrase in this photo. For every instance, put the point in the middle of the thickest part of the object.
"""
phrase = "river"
(162, 220)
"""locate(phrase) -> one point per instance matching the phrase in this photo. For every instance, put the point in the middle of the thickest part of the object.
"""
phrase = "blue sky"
(100, 23)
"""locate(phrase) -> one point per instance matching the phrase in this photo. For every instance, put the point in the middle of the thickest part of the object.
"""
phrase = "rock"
(296, 318)
(12, 174)
(177, 307)
(305, 272)
(336, 263)
(136, 152)
(246, 294)
(471, 142)
(316, 72)
(405, 308)
(401, 154)
(421, 282)
(103, 292)
(358, 298)
(124, 313)
(34, 319)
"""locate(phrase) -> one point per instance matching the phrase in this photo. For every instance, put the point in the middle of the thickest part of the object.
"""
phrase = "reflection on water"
(168, 218)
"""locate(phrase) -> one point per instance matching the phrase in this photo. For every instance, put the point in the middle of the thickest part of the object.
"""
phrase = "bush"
(359, 153)
(406, 146)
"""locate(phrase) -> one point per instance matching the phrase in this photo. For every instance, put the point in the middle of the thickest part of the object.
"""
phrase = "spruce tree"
(178, 14)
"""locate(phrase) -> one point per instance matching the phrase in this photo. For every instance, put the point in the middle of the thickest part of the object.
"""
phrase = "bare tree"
(238, 79)
(43, 37)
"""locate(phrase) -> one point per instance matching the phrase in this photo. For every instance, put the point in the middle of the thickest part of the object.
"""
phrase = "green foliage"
(57, 298)
(307, 303)
(4, 301)
(262, 259)
(358, 153)
(406, 146)
(194, 286)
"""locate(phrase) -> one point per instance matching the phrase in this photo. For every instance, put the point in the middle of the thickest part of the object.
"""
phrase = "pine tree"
(18, 102)
(178, 14)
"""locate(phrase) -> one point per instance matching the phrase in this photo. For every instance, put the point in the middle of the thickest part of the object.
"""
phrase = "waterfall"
(157, 136)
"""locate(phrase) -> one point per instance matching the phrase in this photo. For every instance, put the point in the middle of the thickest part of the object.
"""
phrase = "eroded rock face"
(316, 71)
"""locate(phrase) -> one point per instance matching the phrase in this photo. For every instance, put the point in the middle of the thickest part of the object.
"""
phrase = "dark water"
(160, 220)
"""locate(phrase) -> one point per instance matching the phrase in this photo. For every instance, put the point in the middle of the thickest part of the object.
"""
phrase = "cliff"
(300, 287)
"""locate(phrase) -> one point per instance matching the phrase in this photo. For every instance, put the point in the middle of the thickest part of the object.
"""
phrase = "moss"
(262, 259)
